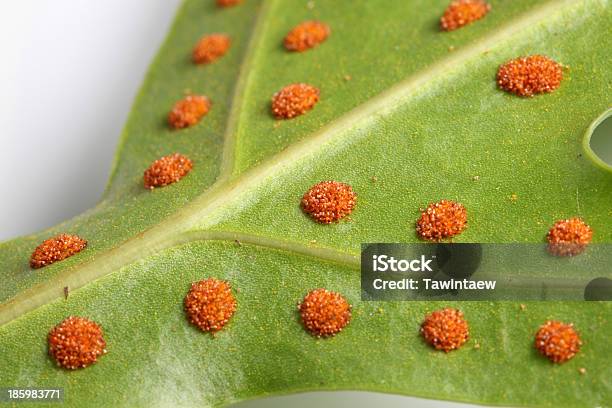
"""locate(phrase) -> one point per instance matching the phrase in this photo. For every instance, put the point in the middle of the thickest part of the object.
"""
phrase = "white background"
(69, 70)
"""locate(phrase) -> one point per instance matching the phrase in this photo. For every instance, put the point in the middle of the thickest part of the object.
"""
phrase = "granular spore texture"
(56, 249)
(167, 170)
(441, 220)
(569, 237)
(324, 313)
(210, 304)
(528, 76)
(445, 329)
(294, 100)
(329, 201)
(557, 341)
(76, 342)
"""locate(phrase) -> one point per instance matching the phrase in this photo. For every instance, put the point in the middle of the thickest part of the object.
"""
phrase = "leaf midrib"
(187, 224)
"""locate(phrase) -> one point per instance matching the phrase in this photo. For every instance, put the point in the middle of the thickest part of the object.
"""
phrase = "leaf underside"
(402, 103)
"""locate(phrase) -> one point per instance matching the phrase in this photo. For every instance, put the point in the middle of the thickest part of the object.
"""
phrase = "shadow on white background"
(69, 72)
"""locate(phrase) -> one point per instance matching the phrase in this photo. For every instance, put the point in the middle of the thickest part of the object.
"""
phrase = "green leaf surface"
(418, 120)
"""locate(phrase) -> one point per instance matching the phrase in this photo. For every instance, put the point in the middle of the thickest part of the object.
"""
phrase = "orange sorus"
(527, 76)
(569, 237)
(441, 220)
(167, 170)
(228, 3)
(188, 111)
(445, 329)
(210, 304)
(324, 313)
(210, 48)
(329, 201)
(56, 249)
(294, 100)
(306, 35)
(557, 341)
(76, 342)
(463, 12)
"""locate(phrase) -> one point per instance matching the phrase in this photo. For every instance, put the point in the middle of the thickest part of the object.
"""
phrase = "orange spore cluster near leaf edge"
(167, 170)
(210, 48)
(188, 111)
(56, 249)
